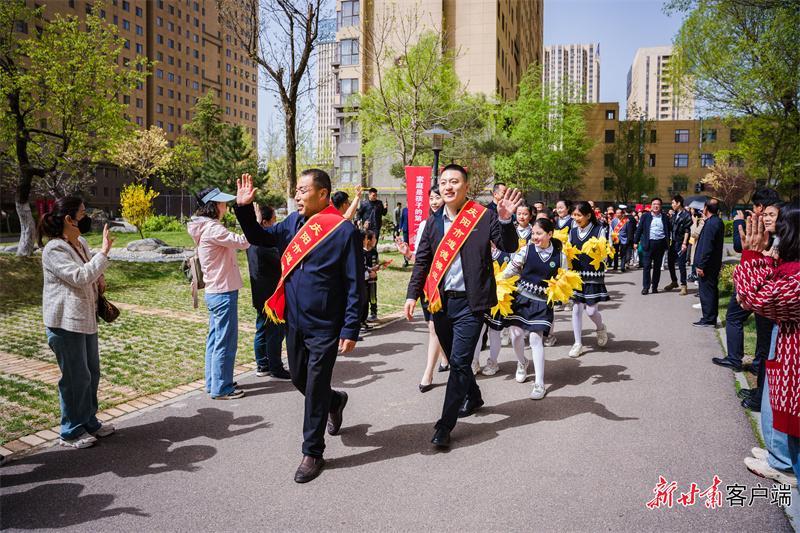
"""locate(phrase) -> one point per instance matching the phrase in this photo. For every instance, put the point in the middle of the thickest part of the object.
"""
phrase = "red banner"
(418, 186)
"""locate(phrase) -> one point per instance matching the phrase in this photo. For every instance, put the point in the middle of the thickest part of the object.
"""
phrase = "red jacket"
(774, 292)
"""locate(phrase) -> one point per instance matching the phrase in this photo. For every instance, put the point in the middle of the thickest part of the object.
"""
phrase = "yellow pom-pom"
(561, 287)
(570, 252)
(505, 290)
(562, 234)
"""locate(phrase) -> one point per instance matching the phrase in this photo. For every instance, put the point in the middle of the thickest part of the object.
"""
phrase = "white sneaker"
(760, 453)
(522, 372)
(697, 306)
(491, 368)
(602, 336)
(576, 350)
(550, 340)
(105, 430)
(476, 366)
(83, 440)
(538, 392)
(762, 468)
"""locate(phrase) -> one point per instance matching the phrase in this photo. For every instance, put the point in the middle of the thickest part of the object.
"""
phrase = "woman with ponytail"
(593, 290)
(73, 282)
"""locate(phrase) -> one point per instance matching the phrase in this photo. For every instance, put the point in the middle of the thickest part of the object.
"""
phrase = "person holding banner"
(454, 270)
(317, 296)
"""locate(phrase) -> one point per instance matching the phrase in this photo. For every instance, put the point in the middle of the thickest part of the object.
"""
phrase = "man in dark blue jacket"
(264, 263)
(708, 260)
(681, 223)
(653, 231)
(322, 297)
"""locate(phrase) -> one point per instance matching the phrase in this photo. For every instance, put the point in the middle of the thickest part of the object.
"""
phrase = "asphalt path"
(586, 458)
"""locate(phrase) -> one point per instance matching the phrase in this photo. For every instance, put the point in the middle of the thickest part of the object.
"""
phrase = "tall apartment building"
(326, 91)
(650, 89)
(193, 54)
(496, 41)
(572, 72)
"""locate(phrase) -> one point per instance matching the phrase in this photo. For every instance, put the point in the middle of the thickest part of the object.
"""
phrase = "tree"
(233, 157)
(546, 137)
(60, 99)
(136, 201)
(206, 127)
(183, 167)
(625, 158)
(727, 180)
(742, 60)
(144, 153)
(279, 36)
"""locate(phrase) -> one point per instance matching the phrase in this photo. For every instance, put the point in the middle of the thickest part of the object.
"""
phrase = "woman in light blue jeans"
(776, 442)
(216, 249)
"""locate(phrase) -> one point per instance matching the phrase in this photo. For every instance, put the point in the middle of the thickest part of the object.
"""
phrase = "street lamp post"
(437, 134)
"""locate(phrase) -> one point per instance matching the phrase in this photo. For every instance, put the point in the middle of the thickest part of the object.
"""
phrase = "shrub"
(728, 227)
(162, 223)
(726, 279)
(137, 204)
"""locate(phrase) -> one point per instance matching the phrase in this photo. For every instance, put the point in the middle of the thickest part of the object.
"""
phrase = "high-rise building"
(495, 42)
(572, 72)
(326, 91)
(193, 52)
(650, 89)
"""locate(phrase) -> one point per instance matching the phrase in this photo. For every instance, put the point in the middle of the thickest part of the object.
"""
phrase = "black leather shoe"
(752, 404)
(441, 438)
(425, 388)
(310, 468)
(645, 292)
(655, 290)
(727, 363)
(280, 373)
(745, 393)
(701, 324)
(335, 416)
(469, 408)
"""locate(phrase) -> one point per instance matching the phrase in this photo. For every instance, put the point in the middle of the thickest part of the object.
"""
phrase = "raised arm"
(351, 211)
(60, 262)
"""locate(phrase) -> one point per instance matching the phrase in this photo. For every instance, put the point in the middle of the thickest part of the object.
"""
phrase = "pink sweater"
(216, 248)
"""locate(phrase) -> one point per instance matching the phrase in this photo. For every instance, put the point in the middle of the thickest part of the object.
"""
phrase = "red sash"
(310, 235)
(448, 250)
(615, 231)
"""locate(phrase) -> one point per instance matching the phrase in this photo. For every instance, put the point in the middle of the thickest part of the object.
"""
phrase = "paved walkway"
(587, 457)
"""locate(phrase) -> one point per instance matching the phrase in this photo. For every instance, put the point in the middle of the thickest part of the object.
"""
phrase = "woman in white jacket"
(73, 281)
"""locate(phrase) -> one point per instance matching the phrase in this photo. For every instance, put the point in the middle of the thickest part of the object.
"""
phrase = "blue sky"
(620, 26)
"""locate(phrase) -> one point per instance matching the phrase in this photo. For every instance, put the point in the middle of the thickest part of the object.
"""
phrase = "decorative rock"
(120, 226)
(145, 245)
(169, 250)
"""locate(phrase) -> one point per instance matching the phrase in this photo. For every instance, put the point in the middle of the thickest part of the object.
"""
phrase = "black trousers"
(311, 359)
(734, 332)
(652, 259)
(674, 257)
(625, 251)
(709, 296)
(458, 330)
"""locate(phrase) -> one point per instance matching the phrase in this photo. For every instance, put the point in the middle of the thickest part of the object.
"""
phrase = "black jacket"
(476, 258)
(264, 263)
(372, 212)
(643, 230)
(708, 254)
(681, 226)
(322, 294)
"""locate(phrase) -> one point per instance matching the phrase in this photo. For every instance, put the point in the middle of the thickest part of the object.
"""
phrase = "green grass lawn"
(173, 238)
(145, 352)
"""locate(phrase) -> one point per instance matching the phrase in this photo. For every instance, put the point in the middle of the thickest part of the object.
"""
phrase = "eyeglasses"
(304, 190)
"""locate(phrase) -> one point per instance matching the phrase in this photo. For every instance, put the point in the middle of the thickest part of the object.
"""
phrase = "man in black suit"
(708, 261)
(498, 192)
(467, 289)
(653, 231)
(264, 263)
(322, 297)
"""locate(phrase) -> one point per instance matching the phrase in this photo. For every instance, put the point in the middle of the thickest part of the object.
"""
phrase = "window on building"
(170, 76)
(126, 99)
(680, 184)
(159, 108)
(350, 131)
(159, 73)
(139, 30)
(138, 11)
(349, 169)
(139, 103)
(159, 21)
(139, 48)
(706, 160)
(611, 114)
(126, 24)
(681, 136)
(348, 52)
(126, 44)
(126, 6)
(608, 184)
(608, 160)
(610, 136)
(681, 161)
(709, 136)
(653, 136)
(347, 86)
(140, 121)
(348, 16)
(170, 43)
(736, 135)
(651, 160)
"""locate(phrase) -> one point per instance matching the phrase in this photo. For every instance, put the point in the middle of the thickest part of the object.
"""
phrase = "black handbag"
(106, 310)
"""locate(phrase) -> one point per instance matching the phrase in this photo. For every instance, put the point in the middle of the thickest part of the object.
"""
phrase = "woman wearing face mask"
(435, 352)
(73, 281)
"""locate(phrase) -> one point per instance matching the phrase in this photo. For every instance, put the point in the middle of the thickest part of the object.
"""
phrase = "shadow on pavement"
(349, 373)
(58, 505)
(134, 451)
(266, 386)
(572, 372)
(409, 439)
